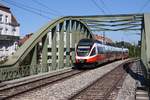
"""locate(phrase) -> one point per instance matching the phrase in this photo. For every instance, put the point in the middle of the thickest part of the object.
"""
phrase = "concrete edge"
(24, 80)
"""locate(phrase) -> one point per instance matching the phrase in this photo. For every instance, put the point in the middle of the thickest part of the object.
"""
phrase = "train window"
(93, 52)
(100, 50)
(83, 50)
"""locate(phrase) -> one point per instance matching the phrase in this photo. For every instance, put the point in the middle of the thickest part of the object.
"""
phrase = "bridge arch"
(45, 50)
(50, 48)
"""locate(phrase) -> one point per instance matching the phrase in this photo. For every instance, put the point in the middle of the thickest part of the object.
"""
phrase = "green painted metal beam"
(97, 29)
(44, 53)
(85, 33)
(33, 67)
(115, 25)
(82, 32)
(145, 49)
(31, 42)
(78, 28)
(111, 16)
(68, 29)
(54, 49)
(107, 20)
(73, 27)
(33, 52)
(61, 46)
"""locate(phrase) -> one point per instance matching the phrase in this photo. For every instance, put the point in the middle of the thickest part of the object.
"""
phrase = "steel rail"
(22, 87)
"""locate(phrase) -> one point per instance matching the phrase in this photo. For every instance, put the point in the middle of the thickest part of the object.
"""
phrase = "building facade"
(102, 38)
(9, 32)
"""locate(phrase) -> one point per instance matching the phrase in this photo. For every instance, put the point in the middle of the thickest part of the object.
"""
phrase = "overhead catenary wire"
(144, 6)
(26, 9)
(32, 8)
(105, 6)
(101, 9)
(45, 6)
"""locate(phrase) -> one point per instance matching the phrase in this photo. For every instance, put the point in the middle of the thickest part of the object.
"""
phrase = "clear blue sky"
(31, 22)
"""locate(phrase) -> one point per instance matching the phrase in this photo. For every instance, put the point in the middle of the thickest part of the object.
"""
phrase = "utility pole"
(122, 50)
(134, 50)
(122, 47)
(103, 37)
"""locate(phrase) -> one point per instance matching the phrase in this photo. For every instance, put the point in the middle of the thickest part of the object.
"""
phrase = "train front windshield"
(84, 47)
(83, 50)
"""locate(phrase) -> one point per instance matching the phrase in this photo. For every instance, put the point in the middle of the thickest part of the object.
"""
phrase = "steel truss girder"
(145, 47)
(72, 29)
(50, 48)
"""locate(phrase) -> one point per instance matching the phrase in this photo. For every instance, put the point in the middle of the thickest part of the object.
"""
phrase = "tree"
(134, 50)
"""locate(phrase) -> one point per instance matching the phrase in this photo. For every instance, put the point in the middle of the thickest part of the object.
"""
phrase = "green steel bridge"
(53, 46)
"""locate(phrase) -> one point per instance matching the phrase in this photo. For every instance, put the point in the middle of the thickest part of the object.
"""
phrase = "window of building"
(1, 30)
(6, 30)
(14, 29)
(1, 17)
(6, 19)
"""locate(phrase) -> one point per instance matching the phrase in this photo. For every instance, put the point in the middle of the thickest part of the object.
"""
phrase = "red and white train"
(93, 52)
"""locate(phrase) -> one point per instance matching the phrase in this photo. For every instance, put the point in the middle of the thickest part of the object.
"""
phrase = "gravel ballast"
(63, 90)
(127, 92)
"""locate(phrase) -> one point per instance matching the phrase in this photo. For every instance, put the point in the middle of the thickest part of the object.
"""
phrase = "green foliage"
(134, 51)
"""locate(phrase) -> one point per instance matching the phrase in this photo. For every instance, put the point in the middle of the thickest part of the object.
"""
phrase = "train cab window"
(83, 50)
(93, 52)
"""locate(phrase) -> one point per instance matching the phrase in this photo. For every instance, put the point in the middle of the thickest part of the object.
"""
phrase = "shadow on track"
(135, 75)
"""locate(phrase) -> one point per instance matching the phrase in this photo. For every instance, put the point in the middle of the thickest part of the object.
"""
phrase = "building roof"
(3, 5)
(102, 38)
(4, 8)
(13, 19)
(25, 38)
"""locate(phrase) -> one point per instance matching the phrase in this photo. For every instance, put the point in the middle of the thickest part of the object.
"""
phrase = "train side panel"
(93, 52)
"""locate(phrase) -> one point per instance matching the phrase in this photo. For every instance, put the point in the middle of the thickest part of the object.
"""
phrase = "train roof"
(86, 41)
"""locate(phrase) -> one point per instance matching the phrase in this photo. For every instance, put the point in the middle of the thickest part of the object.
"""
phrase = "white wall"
(7, 29)
(6, 25)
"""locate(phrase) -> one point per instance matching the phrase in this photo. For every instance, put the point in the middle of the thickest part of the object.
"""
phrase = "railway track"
(14, 90)
(9, 91)
(102, 89)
